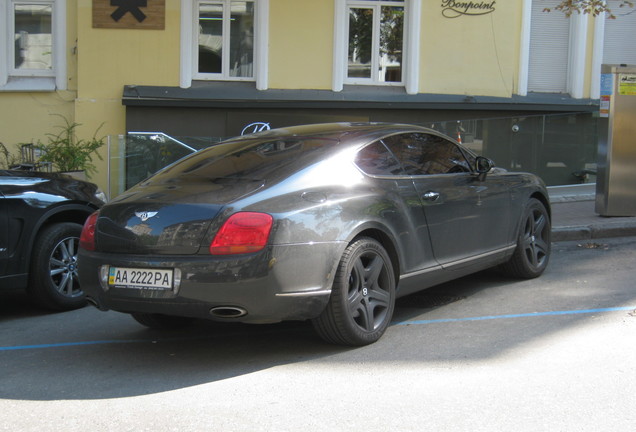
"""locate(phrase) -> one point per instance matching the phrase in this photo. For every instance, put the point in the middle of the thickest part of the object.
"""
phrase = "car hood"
(169, 218)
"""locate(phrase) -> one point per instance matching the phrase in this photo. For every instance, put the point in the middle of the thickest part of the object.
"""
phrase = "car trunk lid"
(167, 218)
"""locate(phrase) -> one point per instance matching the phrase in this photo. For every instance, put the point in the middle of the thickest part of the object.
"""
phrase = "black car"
(41, 218)
(328, 223)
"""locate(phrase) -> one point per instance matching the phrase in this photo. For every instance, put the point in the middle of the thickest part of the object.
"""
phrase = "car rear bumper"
(289, 282)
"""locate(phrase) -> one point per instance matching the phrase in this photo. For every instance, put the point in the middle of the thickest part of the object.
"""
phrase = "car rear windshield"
(253, 159)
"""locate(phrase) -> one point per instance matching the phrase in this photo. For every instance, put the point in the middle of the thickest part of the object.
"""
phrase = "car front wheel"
(532, 254)
(362, 298)
(53, 281)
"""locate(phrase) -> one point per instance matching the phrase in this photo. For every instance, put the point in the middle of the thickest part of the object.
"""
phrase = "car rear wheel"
(162, 322)
(362, 298)
(532, 254)
(53, 280)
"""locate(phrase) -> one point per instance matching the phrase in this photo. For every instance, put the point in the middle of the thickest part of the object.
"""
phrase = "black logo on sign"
(457, 8)
(125, 6)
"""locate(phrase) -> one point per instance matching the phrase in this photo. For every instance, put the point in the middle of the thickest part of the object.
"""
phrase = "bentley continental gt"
(328, 223)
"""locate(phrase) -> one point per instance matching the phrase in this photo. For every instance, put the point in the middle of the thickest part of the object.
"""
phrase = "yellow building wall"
(301, 44)
(109, 59)
(26, 117)
(472, 55)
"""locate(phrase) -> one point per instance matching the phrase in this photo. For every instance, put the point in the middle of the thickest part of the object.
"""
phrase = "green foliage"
(7, 159)
(593, 7)
(67, 152)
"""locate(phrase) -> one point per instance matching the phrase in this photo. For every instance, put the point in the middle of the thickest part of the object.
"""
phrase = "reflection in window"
(226, 38)
(375, 159)
(425, 154)
(375, 41)
(33, 36)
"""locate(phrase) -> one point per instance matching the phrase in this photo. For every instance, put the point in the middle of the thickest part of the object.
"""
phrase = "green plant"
(67, 152)
(8, 158)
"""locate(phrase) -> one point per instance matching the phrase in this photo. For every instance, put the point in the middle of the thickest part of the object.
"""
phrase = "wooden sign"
(129, 14)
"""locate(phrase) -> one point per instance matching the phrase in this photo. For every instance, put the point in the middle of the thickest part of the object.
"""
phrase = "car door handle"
(431, 196)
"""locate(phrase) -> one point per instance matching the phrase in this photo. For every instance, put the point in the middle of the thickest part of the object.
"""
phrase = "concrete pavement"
(574, 217)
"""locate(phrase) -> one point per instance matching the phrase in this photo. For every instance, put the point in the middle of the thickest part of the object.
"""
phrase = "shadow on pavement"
(110, 356)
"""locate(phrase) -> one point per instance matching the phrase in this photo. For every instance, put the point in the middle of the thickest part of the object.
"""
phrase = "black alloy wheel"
(532, 255)
(362, 298)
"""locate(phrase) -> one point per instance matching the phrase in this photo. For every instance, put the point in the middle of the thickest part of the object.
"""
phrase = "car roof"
(343, 132)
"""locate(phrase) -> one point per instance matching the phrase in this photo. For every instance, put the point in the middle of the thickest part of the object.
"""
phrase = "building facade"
(198, 68)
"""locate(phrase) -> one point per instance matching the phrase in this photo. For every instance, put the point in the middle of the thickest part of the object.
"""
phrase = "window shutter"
(549, 49)
(619, 44)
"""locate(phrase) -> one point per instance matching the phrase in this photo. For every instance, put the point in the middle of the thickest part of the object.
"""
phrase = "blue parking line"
(69, 344)
(524, 315)
(415, 322)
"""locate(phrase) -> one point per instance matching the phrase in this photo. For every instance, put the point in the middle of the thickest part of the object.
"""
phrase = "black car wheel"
(53, 281)
(531, 257)
(362, 298)
(162, 322)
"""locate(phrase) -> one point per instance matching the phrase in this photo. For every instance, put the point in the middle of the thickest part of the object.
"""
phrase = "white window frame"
(12, 79)
(410, 57)
(189, 45)
(577, 56)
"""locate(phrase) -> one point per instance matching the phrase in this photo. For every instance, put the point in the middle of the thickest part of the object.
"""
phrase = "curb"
(594, 231)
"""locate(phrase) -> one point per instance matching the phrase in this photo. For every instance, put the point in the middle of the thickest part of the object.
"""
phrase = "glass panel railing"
(137, 155)
(560, 148)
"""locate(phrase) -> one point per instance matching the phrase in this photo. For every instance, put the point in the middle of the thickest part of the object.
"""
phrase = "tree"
(594, 7)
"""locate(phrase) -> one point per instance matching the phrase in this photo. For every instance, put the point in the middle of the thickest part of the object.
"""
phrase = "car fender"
(68, 212)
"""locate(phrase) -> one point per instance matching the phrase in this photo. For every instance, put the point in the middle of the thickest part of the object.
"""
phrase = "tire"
(532, 254)
(362, 297)
(53, 281)
(162, 322)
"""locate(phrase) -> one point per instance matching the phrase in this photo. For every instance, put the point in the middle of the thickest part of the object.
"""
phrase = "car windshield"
(254, 159)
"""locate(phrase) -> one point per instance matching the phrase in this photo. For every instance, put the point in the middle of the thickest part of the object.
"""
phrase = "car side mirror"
(482, 166)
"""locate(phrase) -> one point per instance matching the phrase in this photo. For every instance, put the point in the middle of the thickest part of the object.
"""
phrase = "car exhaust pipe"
(227, 312)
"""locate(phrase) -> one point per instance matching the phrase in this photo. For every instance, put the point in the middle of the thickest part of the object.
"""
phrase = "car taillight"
(87, 238)
(243, 232)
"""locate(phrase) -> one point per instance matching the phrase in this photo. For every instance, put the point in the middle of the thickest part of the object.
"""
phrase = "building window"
(375, 42)
(224, 40)
(553, 50)
(619, 38)
(549, 49)
(33, 47)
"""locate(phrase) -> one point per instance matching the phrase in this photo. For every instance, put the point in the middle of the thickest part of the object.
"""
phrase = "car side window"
(376, 159)
(427, 154)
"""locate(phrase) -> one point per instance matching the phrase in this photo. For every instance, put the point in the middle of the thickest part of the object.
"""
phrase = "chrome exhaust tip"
(227, 312)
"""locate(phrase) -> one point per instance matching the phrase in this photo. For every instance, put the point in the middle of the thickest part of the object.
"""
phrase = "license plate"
(137, 278)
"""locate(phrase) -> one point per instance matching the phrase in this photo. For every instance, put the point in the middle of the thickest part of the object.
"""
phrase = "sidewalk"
(575, 219)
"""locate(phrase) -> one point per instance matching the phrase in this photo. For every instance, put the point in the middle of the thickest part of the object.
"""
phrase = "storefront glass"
(560, 148)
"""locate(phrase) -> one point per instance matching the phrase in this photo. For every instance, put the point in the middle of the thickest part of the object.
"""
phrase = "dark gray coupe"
(328, 223)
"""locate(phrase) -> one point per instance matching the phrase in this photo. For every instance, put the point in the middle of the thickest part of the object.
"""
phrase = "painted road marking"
(415, 322)
(524, 315)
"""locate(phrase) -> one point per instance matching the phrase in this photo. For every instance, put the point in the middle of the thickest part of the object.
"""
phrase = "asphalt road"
(485, 353)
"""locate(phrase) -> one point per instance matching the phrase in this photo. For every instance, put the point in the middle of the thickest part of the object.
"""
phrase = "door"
(466, 216)
(400, 206)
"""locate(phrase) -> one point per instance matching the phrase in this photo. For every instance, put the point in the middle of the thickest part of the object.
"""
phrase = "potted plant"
(68, 153)
(7, 158)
